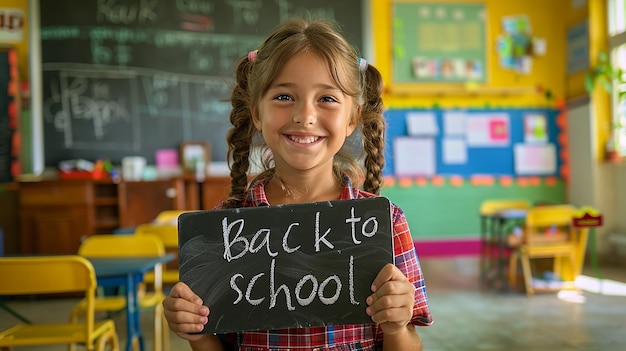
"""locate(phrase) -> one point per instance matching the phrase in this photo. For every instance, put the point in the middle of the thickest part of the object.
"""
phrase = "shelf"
(110, 223)
(106, 201)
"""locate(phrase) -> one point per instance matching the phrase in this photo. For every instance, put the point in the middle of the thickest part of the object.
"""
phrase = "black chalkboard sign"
(286, 266)
(129, 77)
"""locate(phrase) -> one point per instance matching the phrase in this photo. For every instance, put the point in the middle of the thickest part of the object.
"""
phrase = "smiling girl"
(316, 110)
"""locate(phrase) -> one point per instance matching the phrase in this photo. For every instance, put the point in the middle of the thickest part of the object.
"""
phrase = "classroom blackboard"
(129, 77)
(285, 266)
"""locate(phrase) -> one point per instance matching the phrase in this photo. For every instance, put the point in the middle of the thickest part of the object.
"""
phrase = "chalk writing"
(245, 12)
(195, 6)
(190, 45)
(288, 9)
(315, 261)
(78, 98)
(111, 12)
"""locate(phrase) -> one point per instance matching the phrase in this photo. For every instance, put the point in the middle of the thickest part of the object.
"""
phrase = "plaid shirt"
(338, 337)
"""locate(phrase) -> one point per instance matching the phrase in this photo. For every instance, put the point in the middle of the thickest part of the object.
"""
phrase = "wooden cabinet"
(55, 215)
(214, 190)
(141, 202)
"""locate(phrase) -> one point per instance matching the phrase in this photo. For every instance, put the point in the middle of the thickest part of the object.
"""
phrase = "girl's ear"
(354, 121)
(255, 118)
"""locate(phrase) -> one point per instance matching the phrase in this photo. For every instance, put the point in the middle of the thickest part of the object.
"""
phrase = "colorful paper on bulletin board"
(438, 42)
(535, 128)
(488, 130)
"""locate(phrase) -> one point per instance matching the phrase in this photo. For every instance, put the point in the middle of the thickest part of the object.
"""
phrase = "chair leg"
(513, 271)
(166, 333)
(527, 274)
(557, 265)
(74, 316)
(109, 338)
(158, 327)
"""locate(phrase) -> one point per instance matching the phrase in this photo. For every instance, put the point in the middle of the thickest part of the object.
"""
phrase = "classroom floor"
(466, 316)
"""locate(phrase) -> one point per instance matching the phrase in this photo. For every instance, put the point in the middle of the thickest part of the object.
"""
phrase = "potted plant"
(606, 75)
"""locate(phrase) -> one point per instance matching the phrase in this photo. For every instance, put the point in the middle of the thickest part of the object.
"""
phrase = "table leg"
(132, 314)
(483, 250)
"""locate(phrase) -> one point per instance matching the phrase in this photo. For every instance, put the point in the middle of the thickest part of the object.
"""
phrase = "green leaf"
(589, 83)
(607, 84)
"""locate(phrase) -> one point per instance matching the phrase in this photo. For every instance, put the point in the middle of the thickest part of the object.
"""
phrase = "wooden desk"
(127, 272)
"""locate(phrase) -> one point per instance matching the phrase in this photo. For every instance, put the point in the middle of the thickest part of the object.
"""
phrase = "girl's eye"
(283, 97)
(328, 99)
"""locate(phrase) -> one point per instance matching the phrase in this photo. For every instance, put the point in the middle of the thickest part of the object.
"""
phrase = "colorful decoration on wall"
(516, 46)
(455, 54)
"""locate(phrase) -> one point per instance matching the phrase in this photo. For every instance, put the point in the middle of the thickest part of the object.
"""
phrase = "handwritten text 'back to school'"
(313, 257)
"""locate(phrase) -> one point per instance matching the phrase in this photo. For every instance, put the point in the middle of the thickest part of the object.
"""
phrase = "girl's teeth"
(303, 140)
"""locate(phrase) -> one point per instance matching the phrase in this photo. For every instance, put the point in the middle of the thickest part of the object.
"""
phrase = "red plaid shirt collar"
(256, 193)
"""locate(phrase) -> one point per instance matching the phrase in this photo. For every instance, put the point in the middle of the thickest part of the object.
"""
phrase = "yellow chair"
(492, 234)
(53, 275)
(169, 236)
(113, 245)
(168, 217)
(548, 233)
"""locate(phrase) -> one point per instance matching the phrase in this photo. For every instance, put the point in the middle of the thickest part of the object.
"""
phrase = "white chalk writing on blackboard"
(111, 12)
(194, 41)
(234, 237)
(288, 265)
(86, 98)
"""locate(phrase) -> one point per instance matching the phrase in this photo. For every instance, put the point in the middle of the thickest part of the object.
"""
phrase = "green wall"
(448, 211)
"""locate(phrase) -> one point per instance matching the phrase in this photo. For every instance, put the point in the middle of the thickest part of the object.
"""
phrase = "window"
(617, 45)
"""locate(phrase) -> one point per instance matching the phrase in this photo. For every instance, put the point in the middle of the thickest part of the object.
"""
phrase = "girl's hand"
(391, 304)
(185, 313)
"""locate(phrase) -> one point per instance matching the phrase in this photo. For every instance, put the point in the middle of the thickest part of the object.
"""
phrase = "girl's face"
(304, 116)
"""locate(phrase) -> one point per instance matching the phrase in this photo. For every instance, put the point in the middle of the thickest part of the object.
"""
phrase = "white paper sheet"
(454, 151)
(454, 123)
(535, 159)
(414, 156)
(421, 124)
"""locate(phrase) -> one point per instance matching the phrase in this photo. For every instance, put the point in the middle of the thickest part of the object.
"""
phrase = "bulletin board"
(469, 146)
(436, 42)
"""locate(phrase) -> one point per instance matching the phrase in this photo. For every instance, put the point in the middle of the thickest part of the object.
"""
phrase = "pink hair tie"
(252, 55)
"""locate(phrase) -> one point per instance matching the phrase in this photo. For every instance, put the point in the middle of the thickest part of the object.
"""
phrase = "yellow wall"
(575, 83)
(504, 87)
(21, 47)
(601, 107)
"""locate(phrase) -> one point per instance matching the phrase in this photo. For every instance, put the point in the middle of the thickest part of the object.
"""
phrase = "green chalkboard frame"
(438, 42)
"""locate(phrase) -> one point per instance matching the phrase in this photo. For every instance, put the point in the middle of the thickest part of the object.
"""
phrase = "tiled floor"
(466, 317)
